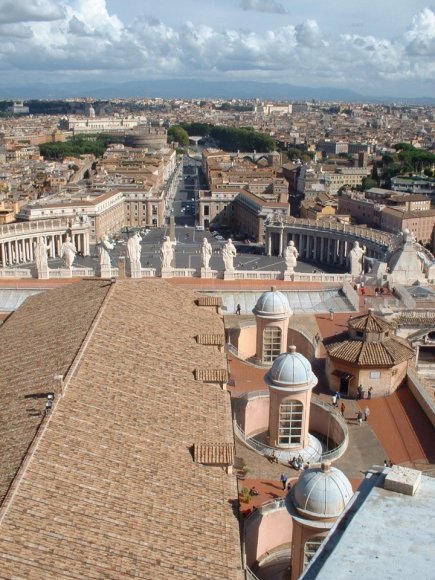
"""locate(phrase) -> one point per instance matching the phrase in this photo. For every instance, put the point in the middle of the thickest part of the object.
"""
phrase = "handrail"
(281, 455)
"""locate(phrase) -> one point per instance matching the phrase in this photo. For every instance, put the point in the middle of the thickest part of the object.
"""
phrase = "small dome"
(291, 369)
(322, 492)
(272, 304)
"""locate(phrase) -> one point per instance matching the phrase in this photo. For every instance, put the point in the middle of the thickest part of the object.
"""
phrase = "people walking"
(366, 413)
(359, 417)
(369, 393)
(342, 409)
(238, 309)
(283, 480)
(334, 400)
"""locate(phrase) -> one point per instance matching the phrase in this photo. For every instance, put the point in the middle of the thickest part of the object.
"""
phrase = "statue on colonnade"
(206, 252)
(41, 256)
(68, 252)
(134, 250)
(355, 259)
(167, 252)
(104, 247)
(291, 255)
(229, 252)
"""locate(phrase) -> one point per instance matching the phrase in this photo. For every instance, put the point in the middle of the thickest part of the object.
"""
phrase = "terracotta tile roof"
(386, 353)
(209, 375)
(209, 301)
(370, 323)
(38, 341)
(214, 453)
(211, 339)
(111, 490)
(412, 319)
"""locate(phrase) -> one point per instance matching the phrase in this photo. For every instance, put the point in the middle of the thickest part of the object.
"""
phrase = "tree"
(367, 183)
(178, 134)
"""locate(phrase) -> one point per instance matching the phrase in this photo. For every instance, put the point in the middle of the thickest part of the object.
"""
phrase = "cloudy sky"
(375, 47)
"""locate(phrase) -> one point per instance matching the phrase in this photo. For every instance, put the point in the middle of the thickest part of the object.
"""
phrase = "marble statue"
(167, 252)
(291, 255)
(41, 257)
(229, 252)
(104, 246)
(68, 252)
(134, 249)
(356, 259)
(206, 252)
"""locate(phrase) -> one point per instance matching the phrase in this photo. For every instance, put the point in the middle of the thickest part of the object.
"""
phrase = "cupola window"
(290, 423)
(311, 547)
(271, 343)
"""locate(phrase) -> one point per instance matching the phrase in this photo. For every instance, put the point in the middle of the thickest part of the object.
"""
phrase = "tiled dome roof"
(289, 370)
(322, 492)
(272, 304)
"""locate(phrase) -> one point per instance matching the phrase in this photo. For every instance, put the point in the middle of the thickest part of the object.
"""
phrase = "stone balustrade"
(184, 273)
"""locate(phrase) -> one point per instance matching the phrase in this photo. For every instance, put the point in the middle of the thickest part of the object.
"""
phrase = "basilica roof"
(111, 486)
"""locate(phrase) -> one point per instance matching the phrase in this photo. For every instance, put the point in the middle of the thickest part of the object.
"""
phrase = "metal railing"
(283, 455)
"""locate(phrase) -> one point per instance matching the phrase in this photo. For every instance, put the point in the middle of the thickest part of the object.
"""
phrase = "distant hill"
(196, 89)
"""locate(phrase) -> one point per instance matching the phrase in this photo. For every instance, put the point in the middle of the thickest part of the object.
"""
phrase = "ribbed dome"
(272, 304)
(291, 369)
(322, 492)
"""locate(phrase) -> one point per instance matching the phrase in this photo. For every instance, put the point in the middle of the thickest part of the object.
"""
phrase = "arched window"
(271, 343)
(311, 547)
(290, 423)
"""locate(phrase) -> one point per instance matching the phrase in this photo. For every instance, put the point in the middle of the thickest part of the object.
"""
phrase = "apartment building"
(390, 211)
(103, 210)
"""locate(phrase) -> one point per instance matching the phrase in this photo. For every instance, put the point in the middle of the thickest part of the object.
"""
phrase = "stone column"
(268, 243)
(32, 254)
(334, 251)
(22, 251)
(281, 242)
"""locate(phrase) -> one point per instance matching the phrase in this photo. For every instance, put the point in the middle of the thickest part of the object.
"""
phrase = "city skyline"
(358, 48)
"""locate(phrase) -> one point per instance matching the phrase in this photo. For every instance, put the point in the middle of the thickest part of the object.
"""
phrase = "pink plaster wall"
(246, 342)
(321, 421)
(266, 532)
(257, 416)
(386, 384)
(301, 342)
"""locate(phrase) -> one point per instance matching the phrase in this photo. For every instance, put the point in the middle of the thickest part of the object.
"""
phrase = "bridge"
(326, 242)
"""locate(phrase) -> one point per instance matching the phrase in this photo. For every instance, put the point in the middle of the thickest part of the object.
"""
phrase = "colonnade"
(326, 245)
(21, 250)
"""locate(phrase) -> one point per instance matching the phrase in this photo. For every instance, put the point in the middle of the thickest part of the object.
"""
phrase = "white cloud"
(421, 36)
(30, 10)
(89, 41)
(308, 34)
(263, 6)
